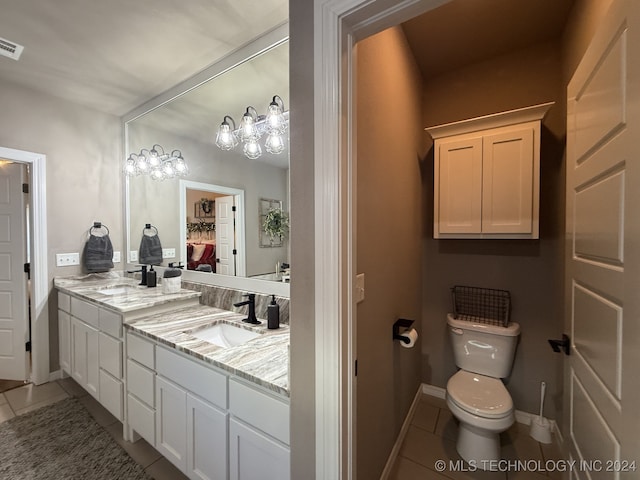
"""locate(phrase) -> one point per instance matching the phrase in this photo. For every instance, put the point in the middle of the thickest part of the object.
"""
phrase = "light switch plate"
(116, 257)
(67, 259)
(359, 287)
(133, 256)
(168, 253)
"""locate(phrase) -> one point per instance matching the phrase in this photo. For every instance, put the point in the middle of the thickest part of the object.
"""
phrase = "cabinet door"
(85, 368)
(458, 185)
(254, 456)
(508, 182)
(64, 336)
(206, 441)
(171, 422)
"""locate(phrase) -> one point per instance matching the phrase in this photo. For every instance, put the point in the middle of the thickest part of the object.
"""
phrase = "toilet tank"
(483, 348)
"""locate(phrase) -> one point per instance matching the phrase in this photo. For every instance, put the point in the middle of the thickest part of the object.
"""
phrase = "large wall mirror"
(211, 220)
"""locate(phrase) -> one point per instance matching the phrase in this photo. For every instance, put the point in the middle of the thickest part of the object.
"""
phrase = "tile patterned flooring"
(432, 436)
(29, 397)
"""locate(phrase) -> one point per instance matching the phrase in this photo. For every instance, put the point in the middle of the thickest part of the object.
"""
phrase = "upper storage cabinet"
(487, 175)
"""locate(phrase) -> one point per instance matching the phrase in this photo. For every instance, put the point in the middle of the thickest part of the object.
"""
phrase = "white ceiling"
(113, 55)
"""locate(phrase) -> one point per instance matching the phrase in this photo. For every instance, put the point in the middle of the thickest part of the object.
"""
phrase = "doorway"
(38, 285)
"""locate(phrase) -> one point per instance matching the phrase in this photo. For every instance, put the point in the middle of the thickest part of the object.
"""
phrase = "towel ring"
(148, 226)
(98, 226)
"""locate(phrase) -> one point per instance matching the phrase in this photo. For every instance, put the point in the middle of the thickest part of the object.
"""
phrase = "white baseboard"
(57, 375)
(403, 432)
(434, 391)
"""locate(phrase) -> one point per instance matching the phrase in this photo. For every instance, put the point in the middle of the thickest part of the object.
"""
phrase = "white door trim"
(339, 25)
(39, 259)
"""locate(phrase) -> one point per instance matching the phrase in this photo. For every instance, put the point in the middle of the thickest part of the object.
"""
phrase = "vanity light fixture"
(253, 127)
(156, 163)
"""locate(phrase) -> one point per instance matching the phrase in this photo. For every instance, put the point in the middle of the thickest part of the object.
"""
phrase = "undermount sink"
(225, 335)
(118, 290)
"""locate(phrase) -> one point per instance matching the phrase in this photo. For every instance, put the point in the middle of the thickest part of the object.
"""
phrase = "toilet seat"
(480, 395)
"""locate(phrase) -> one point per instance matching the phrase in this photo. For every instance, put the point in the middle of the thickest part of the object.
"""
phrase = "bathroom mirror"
(183, 210)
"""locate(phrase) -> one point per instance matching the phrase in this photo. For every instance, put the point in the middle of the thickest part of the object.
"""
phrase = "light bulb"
(248, 127)
(130, 166)
(157, 174)
(275, 121)
(274, 143)
(168, 170)
(226, 138)
(252, 149)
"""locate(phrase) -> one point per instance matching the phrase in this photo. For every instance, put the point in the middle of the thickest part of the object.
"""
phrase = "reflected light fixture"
(252, 127)
(156, 163)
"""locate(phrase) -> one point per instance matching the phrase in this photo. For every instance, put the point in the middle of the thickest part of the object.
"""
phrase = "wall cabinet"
(487, 175)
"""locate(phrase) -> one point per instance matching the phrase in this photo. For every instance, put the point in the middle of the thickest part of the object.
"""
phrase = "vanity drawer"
(193, 376)
(142, 419)
(110, 322)
(110, 355)
(141, 382)
(111, 394)
(64, 302)
(261, 410)
(141, 350)
(84, 311)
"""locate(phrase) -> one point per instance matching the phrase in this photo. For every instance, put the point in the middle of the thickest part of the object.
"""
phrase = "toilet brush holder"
(541, 430)
(540, 426)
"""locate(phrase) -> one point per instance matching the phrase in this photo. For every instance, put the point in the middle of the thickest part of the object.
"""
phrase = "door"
(206, 441)
(255, 456)
(171, 422)
(13, 281)
(458, 172)
(602, 386)
(225, 236)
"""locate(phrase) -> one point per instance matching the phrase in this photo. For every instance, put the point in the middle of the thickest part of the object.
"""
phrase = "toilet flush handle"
(457, 331)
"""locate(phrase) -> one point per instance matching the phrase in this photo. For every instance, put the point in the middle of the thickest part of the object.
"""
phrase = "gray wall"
(83, 149)
(532, 270)
(390, 145)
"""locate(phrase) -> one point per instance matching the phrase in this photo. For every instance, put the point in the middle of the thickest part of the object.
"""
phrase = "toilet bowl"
(484, 409)
(476, 396)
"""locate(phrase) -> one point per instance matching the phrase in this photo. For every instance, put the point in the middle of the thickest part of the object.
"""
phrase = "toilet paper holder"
(401, 323)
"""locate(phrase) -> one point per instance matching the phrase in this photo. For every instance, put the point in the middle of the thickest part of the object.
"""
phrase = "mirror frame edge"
(255, 47)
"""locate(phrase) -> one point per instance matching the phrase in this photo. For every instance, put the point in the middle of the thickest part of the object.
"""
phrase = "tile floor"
(431, 437)
(29, 397)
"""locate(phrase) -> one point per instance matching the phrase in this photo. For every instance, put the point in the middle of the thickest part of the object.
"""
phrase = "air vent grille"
(10, 49)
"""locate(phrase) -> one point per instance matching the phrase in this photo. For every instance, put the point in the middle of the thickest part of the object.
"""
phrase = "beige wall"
(532, 270)
(390, 144)
(83, 149)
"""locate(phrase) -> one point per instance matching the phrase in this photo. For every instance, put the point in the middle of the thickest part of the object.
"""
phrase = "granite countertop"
(132, 297)
(263, 360)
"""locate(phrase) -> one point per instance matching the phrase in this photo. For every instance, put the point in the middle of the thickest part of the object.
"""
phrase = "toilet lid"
(478, 394)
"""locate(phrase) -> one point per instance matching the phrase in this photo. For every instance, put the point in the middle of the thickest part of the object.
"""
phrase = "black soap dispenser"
(151, 278)
(273, 314)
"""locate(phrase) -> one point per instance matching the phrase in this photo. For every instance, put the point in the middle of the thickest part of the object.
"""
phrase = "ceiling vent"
(10, 49)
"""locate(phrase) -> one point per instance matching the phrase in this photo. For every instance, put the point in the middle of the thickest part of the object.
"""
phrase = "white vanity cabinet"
(207, 422)
(90, 340)
(258, 434)
(487, 175)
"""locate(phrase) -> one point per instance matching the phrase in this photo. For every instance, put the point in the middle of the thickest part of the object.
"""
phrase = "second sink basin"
(118, 290)
(225, 335)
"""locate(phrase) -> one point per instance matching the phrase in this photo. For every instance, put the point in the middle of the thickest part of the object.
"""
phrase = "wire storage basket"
(484, 305)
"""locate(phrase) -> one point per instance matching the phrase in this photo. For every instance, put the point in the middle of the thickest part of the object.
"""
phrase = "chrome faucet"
(251, 317)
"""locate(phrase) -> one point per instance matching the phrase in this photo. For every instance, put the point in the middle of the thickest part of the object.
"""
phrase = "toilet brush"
(540, 426)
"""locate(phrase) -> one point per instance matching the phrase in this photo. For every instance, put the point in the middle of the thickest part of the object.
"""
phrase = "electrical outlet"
(359, 287)
(133, 256)
(168, 253)
(116, 257)
(67, 259)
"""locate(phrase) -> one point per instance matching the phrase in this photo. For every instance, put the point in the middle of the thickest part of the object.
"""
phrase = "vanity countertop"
(133, 297)
(263, 360)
